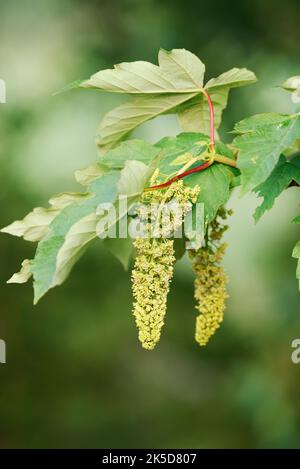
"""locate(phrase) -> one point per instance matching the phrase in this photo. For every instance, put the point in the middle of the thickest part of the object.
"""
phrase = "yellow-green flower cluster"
(210, 293)
(150, 285)
(153, 268)
(168, 208)
(210, 282)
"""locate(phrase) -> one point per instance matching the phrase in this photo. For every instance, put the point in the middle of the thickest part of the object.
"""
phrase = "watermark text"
(2, 351)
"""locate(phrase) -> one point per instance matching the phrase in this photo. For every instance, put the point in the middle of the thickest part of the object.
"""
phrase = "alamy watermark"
(155, 220)
(295, 356)
(2, 92)
(2, 351)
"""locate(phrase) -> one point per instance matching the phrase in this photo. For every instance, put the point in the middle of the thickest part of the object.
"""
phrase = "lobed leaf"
(36, 224)
(78, 224)
(194, 115)
(178, 71)
(51, 266)
(280, 178)
(174, 86)
(261, 141)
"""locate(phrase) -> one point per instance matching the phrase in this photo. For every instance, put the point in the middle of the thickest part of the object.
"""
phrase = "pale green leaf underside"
(260, 145)
(78, 225)
(179, 71)
(87, 175)
(194, 114)
(280, 178)
(24, 275)
(133, 178)
(233, 78)
(174, 86)
(36, 224)
(55, 255)
(121, 121)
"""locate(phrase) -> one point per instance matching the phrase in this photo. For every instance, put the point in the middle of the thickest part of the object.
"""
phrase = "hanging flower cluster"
(210, 281)
(155, 258)
(151, 278)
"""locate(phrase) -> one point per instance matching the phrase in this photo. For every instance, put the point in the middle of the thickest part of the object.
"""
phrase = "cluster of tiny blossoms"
(164, 211)
(210, 282)
(151, 278)
(154, 262)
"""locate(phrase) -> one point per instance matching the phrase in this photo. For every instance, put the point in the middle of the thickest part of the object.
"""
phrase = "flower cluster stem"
(225, 160)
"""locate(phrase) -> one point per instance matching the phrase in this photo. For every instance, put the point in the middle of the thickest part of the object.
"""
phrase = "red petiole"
(201, 167)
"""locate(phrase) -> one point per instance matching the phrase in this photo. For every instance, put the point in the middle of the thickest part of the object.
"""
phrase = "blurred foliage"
(75, 373)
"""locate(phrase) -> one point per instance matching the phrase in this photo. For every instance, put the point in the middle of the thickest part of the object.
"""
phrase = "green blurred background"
(75, 373)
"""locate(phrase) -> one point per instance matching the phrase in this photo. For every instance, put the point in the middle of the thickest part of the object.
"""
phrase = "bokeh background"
(75, 375)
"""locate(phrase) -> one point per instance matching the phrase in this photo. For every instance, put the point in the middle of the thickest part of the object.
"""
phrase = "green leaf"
(259, 122)
(118, 124)
(262, 140)
(160, 89)
(173, 149)
(194, 115)
(280, 178)
(133, 179)
(36, 224)
(54, 258)
(214, 183)
(79, 223)
(179, 71)
(233, 78)
(174, 86)
(137, 150)
(182, 67)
